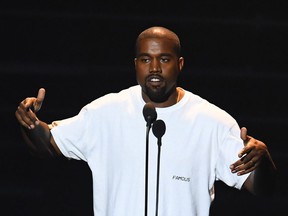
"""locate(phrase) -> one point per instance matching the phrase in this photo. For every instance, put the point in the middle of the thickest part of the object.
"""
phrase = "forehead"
(156, 45)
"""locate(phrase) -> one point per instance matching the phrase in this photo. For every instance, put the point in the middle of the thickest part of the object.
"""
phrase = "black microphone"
(158, 129)
(150, 115)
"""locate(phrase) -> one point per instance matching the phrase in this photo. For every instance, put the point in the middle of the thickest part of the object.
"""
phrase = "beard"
(158, 95)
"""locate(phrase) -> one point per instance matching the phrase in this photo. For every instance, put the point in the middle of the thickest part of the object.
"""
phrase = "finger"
(235, 164)
(244, 167)
(25, 112)
(250, 158)
(41, 95)
(27, 103)
(20, 118)
(245, 163)
(241, 162)
(242, 172)
(25, 117)
(39, 100)
(248, 167)
(244, 151)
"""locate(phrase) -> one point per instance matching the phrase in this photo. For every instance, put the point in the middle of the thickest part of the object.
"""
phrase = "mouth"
(155, 81)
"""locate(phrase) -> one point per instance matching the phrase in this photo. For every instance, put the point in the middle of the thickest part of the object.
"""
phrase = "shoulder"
(116, 98)
(207, 110)
(114, 104)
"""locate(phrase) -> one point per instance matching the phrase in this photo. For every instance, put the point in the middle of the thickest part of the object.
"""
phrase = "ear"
(135, 61)
(181, 63)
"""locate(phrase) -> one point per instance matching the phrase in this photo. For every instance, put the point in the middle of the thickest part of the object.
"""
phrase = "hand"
(26, 110)
(250, 156)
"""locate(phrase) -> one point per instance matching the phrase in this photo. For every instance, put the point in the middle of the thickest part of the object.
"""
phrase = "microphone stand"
(150, 116)
(147, 165)
(158, 129)
(158, 174)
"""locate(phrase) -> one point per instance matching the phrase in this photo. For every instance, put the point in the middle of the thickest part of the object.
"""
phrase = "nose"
(155, 66)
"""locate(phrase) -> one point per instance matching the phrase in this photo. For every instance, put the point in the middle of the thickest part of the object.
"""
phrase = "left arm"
(256, 160)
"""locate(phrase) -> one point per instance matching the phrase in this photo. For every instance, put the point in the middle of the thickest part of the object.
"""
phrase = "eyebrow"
(147, 54)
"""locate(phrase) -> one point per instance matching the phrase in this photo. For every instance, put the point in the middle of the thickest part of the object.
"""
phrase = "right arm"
(36, 133)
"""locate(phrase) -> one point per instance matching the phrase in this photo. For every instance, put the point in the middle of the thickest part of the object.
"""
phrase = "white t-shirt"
(200, 143)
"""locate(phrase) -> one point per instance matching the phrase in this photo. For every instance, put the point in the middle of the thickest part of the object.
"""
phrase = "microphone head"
(159, 128)
(149, 113)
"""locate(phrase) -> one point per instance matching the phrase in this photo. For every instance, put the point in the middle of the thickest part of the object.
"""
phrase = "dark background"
(236, 57)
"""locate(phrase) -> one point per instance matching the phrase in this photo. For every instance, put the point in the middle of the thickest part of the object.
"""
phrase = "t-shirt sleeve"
(70, 135)
(228, 154)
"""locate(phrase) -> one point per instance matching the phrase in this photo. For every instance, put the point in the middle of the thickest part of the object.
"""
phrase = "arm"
(36, 133)
(256, 160)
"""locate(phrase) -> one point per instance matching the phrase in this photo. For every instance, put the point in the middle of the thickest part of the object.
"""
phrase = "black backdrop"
(236, 57)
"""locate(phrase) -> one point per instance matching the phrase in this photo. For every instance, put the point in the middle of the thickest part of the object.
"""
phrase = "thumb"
(39, 100)
(243, 134)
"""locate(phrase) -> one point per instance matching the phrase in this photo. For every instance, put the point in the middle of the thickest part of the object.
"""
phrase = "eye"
(164, 59)
(145, 59)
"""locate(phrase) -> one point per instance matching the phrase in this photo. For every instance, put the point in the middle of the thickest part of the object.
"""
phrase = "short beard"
(158, 95)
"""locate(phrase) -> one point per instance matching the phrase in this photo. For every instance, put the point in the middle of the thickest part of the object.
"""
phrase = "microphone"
(158, 129)
(150, 115)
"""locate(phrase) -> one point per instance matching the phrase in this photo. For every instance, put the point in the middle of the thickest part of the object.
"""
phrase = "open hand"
(250, 156)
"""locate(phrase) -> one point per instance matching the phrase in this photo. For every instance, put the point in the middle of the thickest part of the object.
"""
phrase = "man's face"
(157, 68)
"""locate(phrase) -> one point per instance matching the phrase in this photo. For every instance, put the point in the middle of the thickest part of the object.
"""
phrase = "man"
(201, 144)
